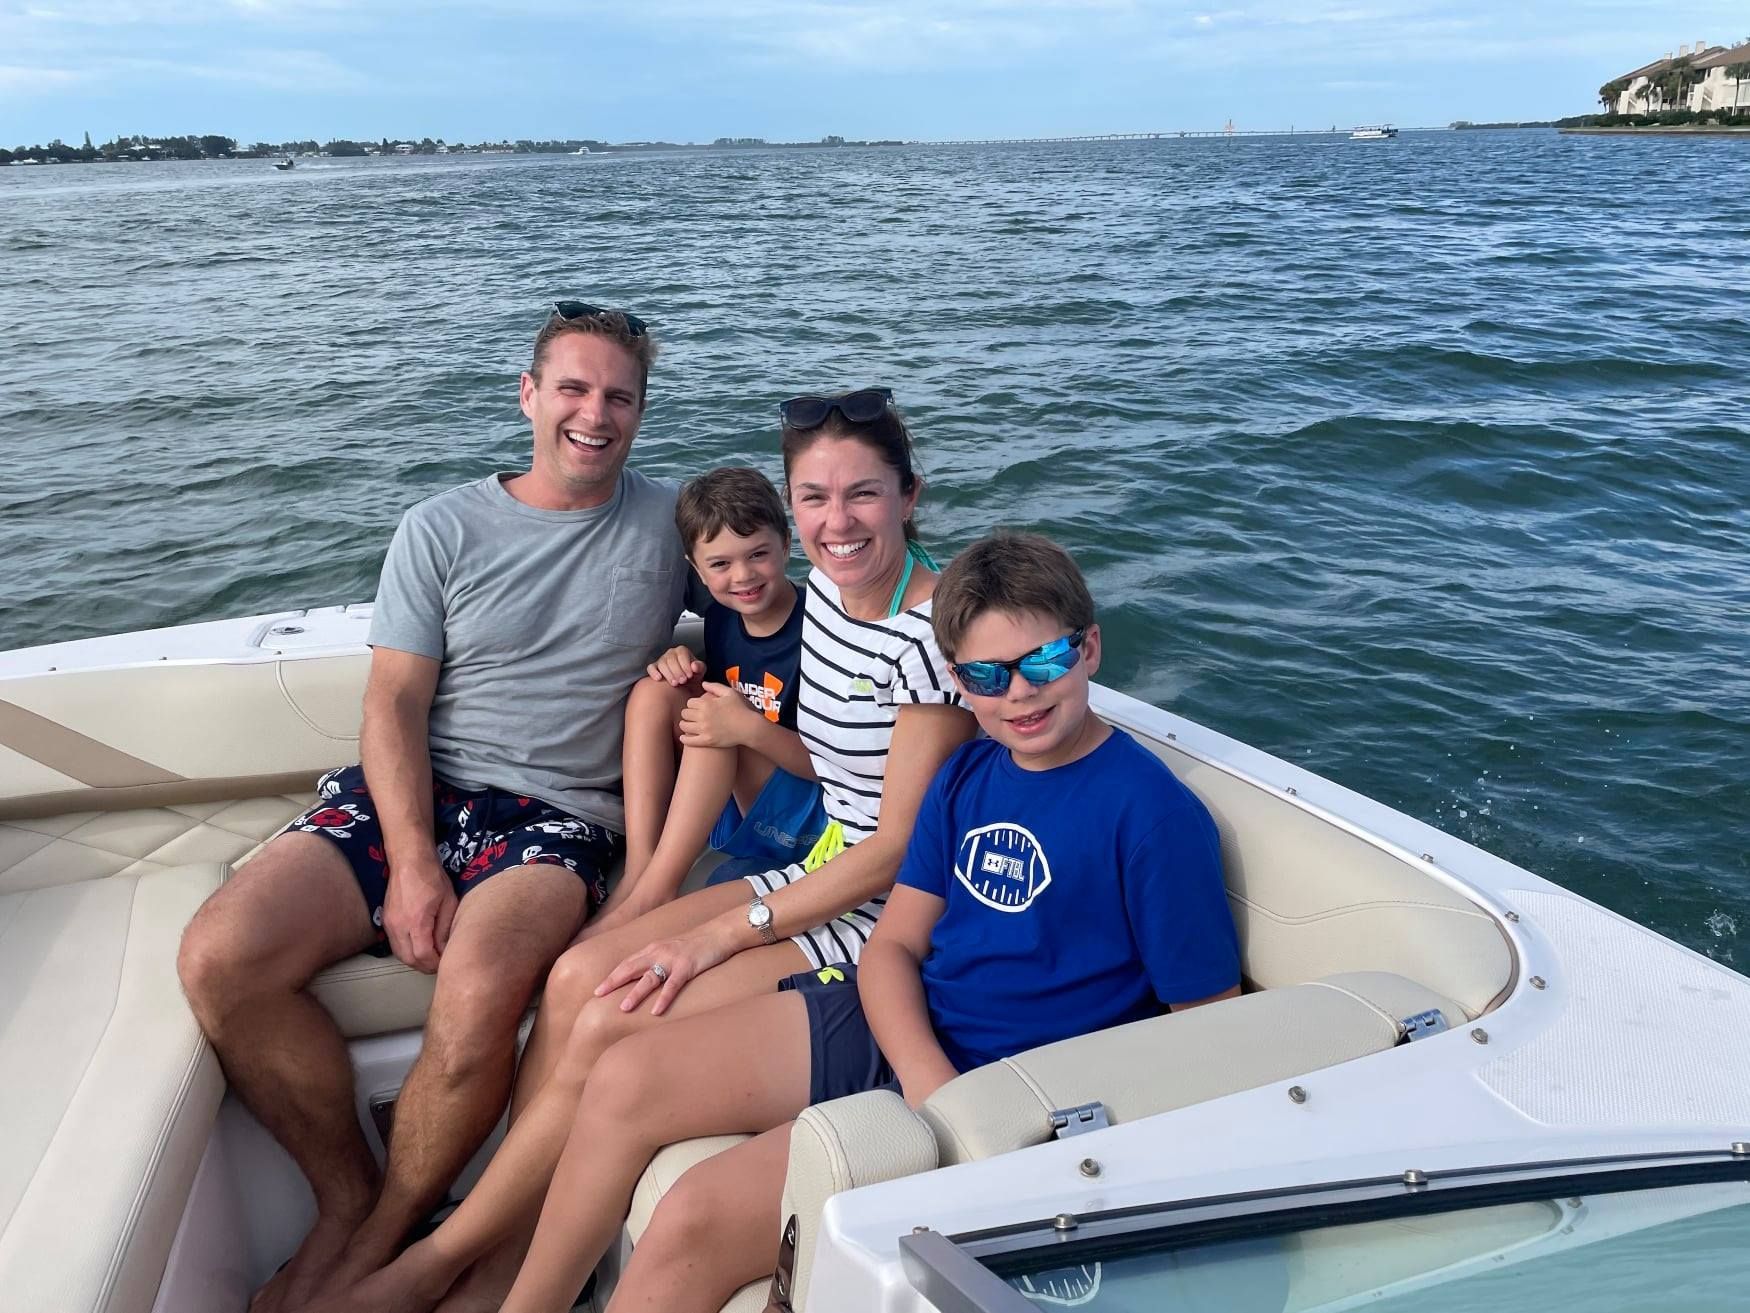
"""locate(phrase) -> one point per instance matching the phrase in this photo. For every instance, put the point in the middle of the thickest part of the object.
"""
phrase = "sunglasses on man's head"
(860, 407)
(1043, 665)
(569, 310)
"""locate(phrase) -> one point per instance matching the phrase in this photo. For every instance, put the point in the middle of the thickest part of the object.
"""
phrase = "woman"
(879, 715)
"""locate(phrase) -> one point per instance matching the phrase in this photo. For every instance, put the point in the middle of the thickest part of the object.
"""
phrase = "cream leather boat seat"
(110, 1091)
(1134, 1071)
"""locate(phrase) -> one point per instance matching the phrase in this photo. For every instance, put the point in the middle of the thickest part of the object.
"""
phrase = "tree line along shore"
(210, 146)
(213, 147)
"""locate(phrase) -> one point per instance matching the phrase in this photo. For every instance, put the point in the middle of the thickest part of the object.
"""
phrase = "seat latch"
(1079, 1120)
(1422, 1025)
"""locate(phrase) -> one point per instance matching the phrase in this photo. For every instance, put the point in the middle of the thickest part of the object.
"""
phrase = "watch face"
(759, 916)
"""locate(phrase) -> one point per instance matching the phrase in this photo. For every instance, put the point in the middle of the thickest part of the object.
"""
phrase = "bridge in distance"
(1161, 136)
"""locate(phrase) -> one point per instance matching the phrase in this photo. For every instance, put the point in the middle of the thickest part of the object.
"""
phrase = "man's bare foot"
(413, 1283)
(295, 1284)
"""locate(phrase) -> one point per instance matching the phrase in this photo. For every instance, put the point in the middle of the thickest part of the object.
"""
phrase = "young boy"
(1059, 880)
(733, 715)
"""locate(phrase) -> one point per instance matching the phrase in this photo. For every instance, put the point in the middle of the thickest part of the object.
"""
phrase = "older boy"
(1059, 880)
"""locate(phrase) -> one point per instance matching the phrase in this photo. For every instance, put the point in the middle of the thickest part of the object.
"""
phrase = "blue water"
(1420, 463)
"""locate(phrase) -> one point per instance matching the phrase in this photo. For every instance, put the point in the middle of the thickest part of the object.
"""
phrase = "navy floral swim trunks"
(479, 833)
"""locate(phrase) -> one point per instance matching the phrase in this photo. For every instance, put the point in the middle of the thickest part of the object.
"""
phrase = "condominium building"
(1708, 85)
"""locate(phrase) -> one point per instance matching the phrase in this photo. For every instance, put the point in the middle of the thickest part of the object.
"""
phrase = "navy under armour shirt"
(762, 670)
(1077, 898)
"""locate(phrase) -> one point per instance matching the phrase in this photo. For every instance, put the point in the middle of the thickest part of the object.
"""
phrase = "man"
(513, 616)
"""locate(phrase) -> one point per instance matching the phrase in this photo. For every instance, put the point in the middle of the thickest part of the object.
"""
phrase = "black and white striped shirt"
(855, 676)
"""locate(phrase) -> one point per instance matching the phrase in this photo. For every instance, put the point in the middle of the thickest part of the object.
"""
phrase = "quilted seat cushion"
(110, 1090)
(57, 850)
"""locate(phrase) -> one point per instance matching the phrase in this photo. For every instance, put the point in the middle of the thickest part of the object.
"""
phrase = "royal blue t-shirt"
(762, 670)
(1077, 898)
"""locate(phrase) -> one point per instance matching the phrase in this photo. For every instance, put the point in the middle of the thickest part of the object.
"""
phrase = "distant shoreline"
(1662, 130)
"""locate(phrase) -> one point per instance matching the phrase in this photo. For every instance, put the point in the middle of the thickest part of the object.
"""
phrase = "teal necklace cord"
(914, 555)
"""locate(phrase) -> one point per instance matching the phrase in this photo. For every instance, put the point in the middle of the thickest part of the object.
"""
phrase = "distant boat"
(284, 164)
(581, 150)
(1385, 133)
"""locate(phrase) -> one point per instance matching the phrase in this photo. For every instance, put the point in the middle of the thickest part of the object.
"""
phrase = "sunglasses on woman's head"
(859, 407)
(1043, 665)
(569, 310)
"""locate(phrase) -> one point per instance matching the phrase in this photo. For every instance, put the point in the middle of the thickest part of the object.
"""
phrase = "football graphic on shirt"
(1003, 866)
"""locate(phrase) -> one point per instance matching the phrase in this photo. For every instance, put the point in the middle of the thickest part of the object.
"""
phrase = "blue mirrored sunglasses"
(1048, 662)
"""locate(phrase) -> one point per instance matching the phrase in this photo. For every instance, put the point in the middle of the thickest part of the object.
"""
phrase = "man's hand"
(676, 667)
(417, 913)
(718, 718)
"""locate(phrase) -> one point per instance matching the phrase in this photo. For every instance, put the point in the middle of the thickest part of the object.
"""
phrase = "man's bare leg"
(244, 961)
(506, 934)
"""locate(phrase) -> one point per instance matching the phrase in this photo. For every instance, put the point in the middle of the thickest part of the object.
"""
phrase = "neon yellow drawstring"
(830, 844)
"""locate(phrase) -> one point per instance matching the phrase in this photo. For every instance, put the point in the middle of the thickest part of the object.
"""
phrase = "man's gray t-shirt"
(543, 621)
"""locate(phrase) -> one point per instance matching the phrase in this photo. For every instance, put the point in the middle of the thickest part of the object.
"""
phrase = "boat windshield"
(1596, 1245)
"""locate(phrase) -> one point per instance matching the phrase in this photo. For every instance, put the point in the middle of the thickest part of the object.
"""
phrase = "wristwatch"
(759, 916)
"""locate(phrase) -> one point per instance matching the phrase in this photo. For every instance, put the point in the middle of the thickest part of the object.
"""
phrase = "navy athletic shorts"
(843, 1057)
(479, 833)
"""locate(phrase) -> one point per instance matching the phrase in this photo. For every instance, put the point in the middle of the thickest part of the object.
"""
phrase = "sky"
(789, 70)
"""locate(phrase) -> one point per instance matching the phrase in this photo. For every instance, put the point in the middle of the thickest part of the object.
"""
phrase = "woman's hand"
(679, 959)
(676, 667)
(718, 718)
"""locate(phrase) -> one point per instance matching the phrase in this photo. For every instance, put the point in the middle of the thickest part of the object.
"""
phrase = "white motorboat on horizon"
(1446, 1075)
(1383, 132)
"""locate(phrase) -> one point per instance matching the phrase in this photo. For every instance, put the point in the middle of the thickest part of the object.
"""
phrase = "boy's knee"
(655, 701)
(684, 1218)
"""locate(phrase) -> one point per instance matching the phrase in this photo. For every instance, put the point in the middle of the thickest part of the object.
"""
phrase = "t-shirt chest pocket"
(640, 609)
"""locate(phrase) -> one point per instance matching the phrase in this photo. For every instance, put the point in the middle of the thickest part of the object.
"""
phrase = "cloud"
(27, 81)
(272, 68)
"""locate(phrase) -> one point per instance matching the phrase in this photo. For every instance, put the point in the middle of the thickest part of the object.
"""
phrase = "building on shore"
(1716, 88)
(1711, 77)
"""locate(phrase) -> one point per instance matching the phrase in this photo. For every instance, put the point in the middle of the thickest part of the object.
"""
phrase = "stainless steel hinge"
(1423, 1024)
(1079, 1120)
